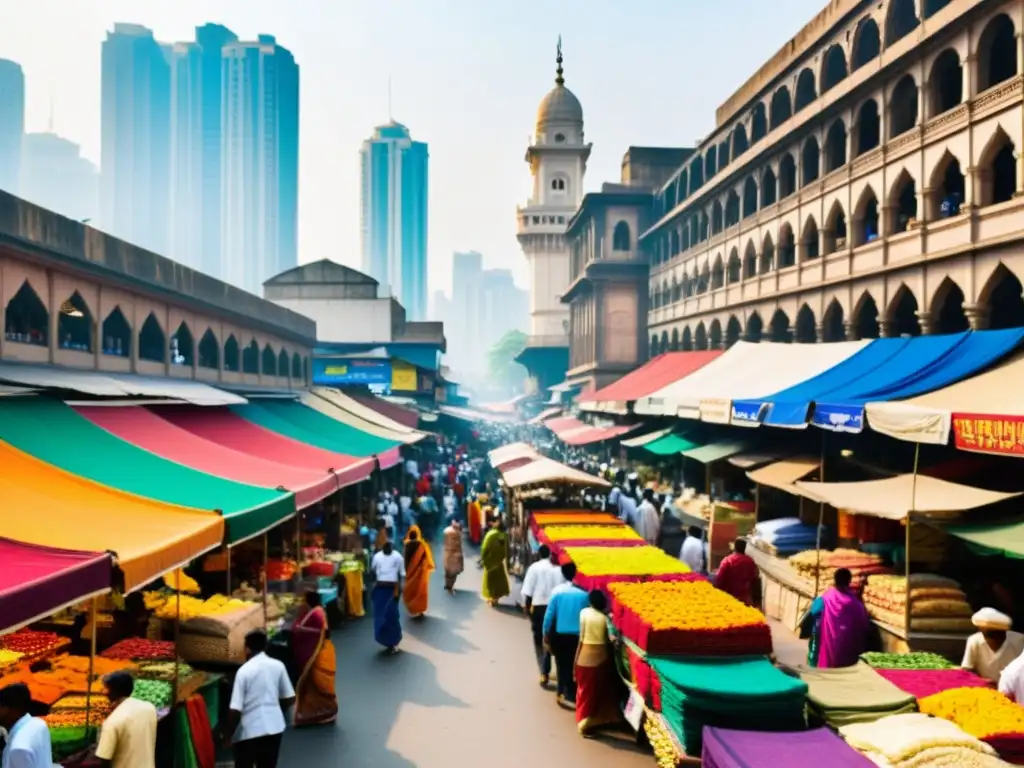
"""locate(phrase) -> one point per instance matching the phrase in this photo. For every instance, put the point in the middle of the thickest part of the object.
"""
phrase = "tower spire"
(559, 72)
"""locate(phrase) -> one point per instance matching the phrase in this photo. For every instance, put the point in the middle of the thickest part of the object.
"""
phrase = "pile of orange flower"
(574, 518)
(688, 617)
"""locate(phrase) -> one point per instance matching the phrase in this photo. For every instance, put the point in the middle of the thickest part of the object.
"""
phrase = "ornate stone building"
(865, 182)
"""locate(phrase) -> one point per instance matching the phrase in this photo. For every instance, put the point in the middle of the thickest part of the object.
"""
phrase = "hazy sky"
(467, 78)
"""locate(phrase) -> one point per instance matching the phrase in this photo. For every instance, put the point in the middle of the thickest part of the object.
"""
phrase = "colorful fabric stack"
(727, 693)
(689, 618)
(937, 604)
(856, 694)
(921, 683)
(821, 567)
(597, 567)
(641, 674)
(725, 748)
(787, 536)
(913, 660)
(916, 740)
(985, 714)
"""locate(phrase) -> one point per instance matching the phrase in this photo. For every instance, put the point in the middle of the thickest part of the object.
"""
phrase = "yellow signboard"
(336, 370)
(403, 376)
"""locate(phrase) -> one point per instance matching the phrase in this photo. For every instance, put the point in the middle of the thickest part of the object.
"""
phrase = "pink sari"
(844, 629)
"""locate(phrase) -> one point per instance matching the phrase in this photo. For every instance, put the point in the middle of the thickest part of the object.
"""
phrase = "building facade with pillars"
(865, 182)
(558, 158)
(607, 294)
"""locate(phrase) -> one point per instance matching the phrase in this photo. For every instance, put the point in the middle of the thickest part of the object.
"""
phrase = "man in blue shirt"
(562, 631)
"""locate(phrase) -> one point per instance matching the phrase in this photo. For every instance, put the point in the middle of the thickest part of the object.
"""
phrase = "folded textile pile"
(688, 618)
(856, 694)
(937, 604)
(822, 567)
(787, 536)
(727, 693)
(912, 740)
(985, 714)
(647, 684)
(913, 660)
(726, 748)
(921, 683)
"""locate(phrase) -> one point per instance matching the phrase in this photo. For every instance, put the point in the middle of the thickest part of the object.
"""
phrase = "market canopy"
(365, 412)
(755, 459)
(1006, 538)
(745, 371)
(146, 430)
(393, 411)
(545, 471)
(221, 426)
(891, 368)
(308, 426)
(39, 581)
(645, 380)
(544, 415)
(473, 415)
(709, 454)
(670, 444)
(54, 433)
(782, 474)
(564, 425)
(334, 411)
(642, 440)
(506, 453)
(985, 413)
(896, 497)
(589, 434)
(49, 507)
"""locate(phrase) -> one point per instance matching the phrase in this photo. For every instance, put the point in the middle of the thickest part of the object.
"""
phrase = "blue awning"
(887, 369)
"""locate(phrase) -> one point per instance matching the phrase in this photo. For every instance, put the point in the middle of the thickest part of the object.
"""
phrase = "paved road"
(463, 692)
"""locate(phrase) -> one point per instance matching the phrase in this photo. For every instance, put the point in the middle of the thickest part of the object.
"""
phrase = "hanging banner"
(989, 434)
(339, 371)
(403, 376)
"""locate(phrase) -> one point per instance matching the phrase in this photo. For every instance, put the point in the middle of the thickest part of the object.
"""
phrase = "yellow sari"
(419, 564)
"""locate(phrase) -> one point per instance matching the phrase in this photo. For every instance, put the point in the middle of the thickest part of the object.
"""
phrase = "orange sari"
(476, 525)
(315, 699)
(419, 564)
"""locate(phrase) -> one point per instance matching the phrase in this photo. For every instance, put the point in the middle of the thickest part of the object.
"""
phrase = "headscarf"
(990, 618)
(382, 539)
(423, 544)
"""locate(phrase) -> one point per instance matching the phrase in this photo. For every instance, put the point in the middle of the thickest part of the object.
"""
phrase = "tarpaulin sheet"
(709, 454)
(544, 471)
(650, 437)
(221, 426)
(1005, 538)
(511, 451)
(53, 432)
(406, 416)
(38, 581)
(648, 378)
(46, 506)
(670, 444)
(593, 434)
(146, 430)
(306, 425)
(547, 413)
(365, 414)
(564, 425)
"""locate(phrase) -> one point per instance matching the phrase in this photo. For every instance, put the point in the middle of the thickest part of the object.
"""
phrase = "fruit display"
(688, 618)
(31, 644)
(140, 648)
(183, 607)
(180, 581)
(164, 670)
(665, 751)
(9, 657)
(72, 718)
(156, 692)
(78, 701)
(915, 660)
(281, 570)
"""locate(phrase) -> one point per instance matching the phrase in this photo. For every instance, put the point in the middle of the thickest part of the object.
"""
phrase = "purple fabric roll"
(725, 748)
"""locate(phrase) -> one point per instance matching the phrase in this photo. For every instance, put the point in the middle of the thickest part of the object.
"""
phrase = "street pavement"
(463, 692)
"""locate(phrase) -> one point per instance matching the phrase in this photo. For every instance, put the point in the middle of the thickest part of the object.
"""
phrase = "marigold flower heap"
(558, 537)
(982, 712)
(688, 618)
(599, 566)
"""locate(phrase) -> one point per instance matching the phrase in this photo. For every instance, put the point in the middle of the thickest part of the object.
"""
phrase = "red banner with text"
(989, 434)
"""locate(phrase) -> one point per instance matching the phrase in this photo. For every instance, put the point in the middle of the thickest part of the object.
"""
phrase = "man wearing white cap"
(990, 650)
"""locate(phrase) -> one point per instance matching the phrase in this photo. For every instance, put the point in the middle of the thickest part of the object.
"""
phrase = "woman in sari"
(315, 699)
(454, 563)
(597, 683)
(838, 625)
(419, 564)
(493, 553)
(475, 514)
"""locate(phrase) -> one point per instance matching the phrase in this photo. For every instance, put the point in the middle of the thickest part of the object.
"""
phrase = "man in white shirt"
(261, 694)
(128, 735)
(540, 581)
(627, 510)
(692, 551)
(648, 520)
(388, 568)
(28, 738)
(990, 650)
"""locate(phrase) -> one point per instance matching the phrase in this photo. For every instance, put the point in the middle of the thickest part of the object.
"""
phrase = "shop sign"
(341, 371)
(633, 711)
(839, 418)
(715, 410)
(744, 413)
(403, 376)
(989, 434)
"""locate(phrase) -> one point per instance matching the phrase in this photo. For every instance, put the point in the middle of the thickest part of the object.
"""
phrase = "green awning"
(53, 432)
(306, 425)
(670, 444)
(1006, 539)
(707, 454)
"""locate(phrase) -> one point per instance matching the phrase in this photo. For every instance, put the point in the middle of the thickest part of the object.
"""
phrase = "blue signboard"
(839, 418)
(339, 371)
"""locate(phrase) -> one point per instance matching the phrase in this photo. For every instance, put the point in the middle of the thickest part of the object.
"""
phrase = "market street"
(463, 692)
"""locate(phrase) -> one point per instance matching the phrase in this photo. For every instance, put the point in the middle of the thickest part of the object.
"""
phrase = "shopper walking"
(28, 738)
(388, 569)
(128, 735)
(419, 564)
(316, 702)
(597, 693)
(260, 695)
(562, 631)
(542, 577)
(493, 553)
(454, 562)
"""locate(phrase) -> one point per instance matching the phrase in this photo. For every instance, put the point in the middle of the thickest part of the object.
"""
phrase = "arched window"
(296, 367)
(787, 176)
(269, 366)
(767, 262)
(865, 317)
(26, 320)
(869, 127)
(809, 240)
(787, 247)
(209, 351)
(735, 269)
(710, 164)
(749, 197)
(768, 185)
(558, 185)
(732, 208)
(946, 83)
(755, 327)
(674, 344)
(948, 309)
(903, 106)
(654, 345)
(834, 328)
(74, 324)
(1002, 294)
(901, 21)
(621, 237)
(717, 274)
(750, 261)
(758, 124)
(947, 188)
(687, 340)
(867, 44)
(905, 193)
(833, 68)
(251, 359)
(903, 313)
(811, 161)
(182, 346)
(715, 335)
(700, 337)
(683, 183)
(805, 331)
(696, 175)
(997, 52)
(835, 230)
(866, 217)
(806, 91)
(999, 170)
(152, 342)
(739, 141)
(716, 217)
(778, 328)
(231, 361)
(781, 108)
(835, 146)
(117, 334)
(732, 331)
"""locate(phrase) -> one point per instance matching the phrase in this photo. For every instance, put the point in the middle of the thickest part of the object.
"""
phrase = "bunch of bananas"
(168, 606)
(661, 742)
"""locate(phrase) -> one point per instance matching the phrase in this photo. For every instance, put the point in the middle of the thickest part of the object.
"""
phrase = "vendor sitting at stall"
(990, 650)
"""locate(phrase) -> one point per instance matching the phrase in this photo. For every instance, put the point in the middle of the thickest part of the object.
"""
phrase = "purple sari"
(844, 629)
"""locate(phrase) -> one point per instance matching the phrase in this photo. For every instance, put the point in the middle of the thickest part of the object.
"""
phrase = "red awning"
(221, 426)
(148, 431)
(596, 434)
(406, 416)
(647, 379)
(564, 424)
(39, 581)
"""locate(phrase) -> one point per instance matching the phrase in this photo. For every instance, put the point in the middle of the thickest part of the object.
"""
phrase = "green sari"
(493, 553)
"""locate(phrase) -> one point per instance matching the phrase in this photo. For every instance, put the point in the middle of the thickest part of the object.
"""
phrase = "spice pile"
(141, 649)
(821, 567)
(937, 604)
(33, 645)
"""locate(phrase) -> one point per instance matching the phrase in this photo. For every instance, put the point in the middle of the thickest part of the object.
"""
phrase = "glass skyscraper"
(259, 162)
(12, 124)
(394, 215)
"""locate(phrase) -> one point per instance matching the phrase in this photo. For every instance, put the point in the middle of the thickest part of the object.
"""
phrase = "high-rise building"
(503, 307)
(464, 335)
(12, 123)
(394, 214)
(259, 162)
(196, 101)
(136, 140)
(54, 175)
